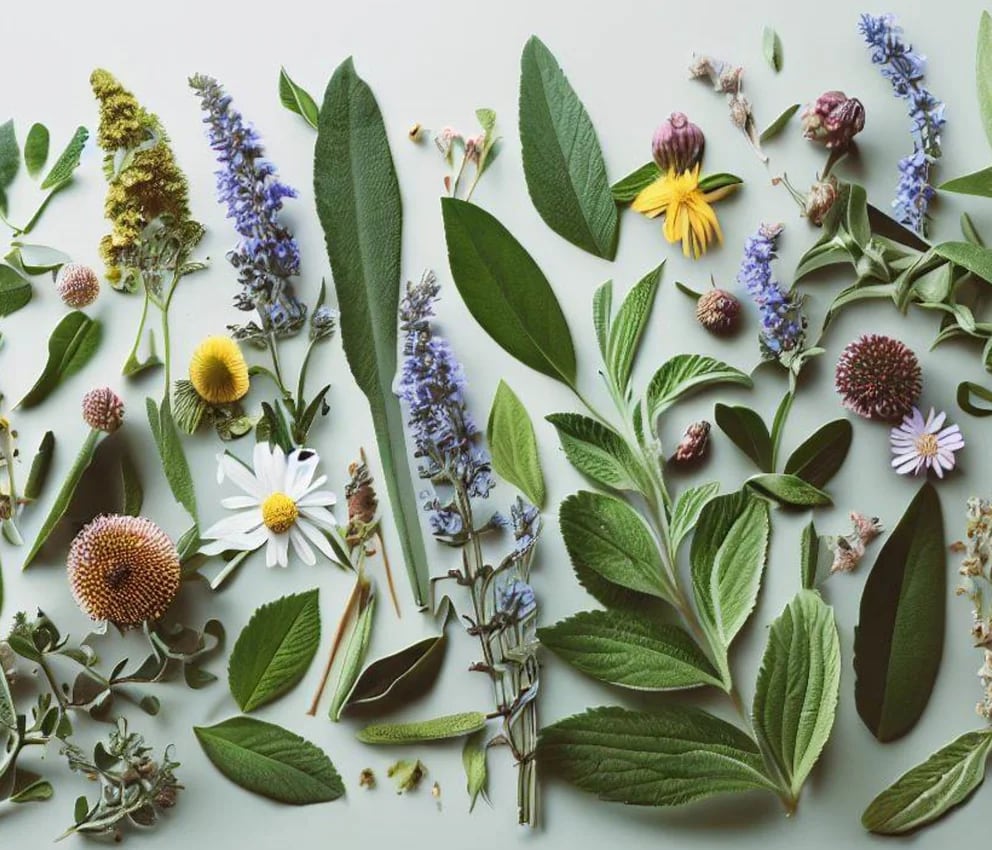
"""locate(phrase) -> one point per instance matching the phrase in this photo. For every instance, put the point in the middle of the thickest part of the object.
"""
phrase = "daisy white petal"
(314, 535)
(321, 517)
(271, 552)
(282, 549)
(318, 498)
(240, 523)
(301, 547)
(235, 503)
(317, 483)
(242, 478)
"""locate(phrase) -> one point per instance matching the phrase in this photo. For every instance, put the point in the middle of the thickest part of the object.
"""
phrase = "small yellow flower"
(218, 371)
(689, 216)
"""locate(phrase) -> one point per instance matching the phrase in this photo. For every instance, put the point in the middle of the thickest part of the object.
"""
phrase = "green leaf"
(70, 347)
(970, 232)
(296, 99)
(685, 373)
(809, 558)
(685, 514)
(727, 558)
(746, 430)
(36, 149)
(667, 757)
(360, 211)
(983, 73)
(630, 650)
(628, 327)
(60, 174)
(37, 791)
(354, 657)
(15, 290)
(132, 494)
(170, 450)
(10, 156)
(65, 494)
(974, 258)
(271, 761)
(779, 124)
(720, 180)
(795, 698)
(40, 467)
(967, 389)
(506, 292)
(900, 635)
(602, 315)
(513, 446)
(933, 788)
(788, 490)
(821, 455)
(563, 162)
(597, 451)
(606, 537)
(771, 49)
(474, 762)
(407, 672)
(435, 729)
(626, 189)
(274, 650)
(35, 259)
(977, 183)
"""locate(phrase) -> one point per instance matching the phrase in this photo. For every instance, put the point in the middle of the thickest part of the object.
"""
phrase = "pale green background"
(435, 63)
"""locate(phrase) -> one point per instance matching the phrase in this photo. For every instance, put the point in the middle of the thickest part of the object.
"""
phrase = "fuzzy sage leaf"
(513, 446)
(685, 373)
(598, 451)
(435, 729)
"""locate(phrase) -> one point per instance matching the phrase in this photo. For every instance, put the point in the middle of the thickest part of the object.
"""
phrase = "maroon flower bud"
(833, 120)
(695, 441)
(820, 199)
(103, 410)
(77, 285)
(678, 144)
(717, 311)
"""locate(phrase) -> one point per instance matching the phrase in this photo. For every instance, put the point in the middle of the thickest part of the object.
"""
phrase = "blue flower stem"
(778, 424)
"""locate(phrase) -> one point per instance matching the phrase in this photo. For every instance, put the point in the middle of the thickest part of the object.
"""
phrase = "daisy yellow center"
(926, 445)
(279, 512)
(218, 371)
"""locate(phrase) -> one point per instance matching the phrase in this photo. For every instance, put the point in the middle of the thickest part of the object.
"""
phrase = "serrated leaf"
(630, 650)
(597, 451)
(70, 347)
(899, 639)
(809, 556)
(771, 48)
(132, 494)
(667, 757)
(685, 373)
(931, 789)
(788, 490)
(779, 124)
(297, 99)
(474, 762)
(271, 761)
(628, 327)
(563, 162)
(435, 729)
(686, 511)
(40, 467)
(60, 174)
(407, 672)
(746, 430)
(983, 73)
(795, 699)
(361, 213)
(821, 455)
(506, 291)
(36, 149)
(513, 445)
(629, 187)
(274, 650)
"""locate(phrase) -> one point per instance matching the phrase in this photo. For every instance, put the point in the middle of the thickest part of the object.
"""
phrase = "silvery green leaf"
(602, 315)
(809, 556)
(628, 327)
(685, 373)
(977, 183)
(513, 445)
(474, 761)
(435, 729)
(983, 73)
(771, 48)
(686, 511)
(598, 451)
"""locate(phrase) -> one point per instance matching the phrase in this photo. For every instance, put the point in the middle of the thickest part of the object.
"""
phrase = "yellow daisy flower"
(689, 216)
(218, 371)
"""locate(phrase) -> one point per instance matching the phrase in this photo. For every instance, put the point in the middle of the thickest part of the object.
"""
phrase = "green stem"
(273, 347)
(56, 690)
(132, 356)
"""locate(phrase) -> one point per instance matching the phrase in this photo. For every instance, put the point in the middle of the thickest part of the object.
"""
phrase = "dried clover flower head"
(103, 410)
(77, 285)
(124, 570)
(849, 549)
(833, 120)
(677, 144)
(820, 199)
(695, 441)
(879, 378)
(362, 503)
(718, 311)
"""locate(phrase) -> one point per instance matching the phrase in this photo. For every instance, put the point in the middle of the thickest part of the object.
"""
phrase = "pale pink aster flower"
(920, 444)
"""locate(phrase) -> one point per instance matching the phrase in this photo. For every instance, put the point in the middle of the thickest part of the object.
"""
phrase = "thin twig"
(389, 572)
(336, 645)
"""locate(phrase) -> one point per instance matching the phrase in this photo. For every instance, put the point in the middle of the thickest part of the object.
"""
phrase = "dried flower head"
(218, 371)
(124, 570)
(820, 200)
(677, 144)
(849, 548)
(366, 779)
(407, 775)
(694, 443)
(77, 285)
(362, 503)
(718, 311)
(833, 120)
(879, 378)
(103, 410)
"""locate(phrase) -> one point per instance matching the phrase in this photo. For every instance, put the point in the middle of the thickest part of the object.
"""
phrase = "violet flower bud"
(833, 120)
(678, 144)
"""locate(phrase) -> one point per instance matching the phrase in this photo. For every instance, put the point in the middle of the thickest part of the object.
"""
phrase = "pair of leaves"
(620, 337)
(358, 646)
(173, 457)
(513, 446)
(271, 761)
(361, 213)
(421, 731)
(70, 347)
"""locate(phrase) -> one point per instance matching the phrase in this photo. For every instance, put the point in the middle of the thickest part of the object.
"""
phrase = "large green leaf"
(931, 789)
(983, 73)
(405, 673)
(630, 650)
(685, 373)
(628, 328)
(667, 757)
(360, 211)
(795, 699)
(821, 455)
(270, 761)
(900, 634)
(274, 650)
(746, 430)
(513, 446)
(70, 347)
(563, 162)
(505, 290)
(598, 451)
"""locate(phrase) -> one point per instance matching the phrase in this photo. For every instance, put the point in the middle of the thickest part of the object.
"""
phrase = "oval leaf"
(597, 451)
(70, 347)
(60, 174)
(270, 761)
(899, 639)
(685, 514)
(809, 557)
(40, 467)
(771, 47)
(746, 430)
(274, 650)
(474, 762)
(412, 668)
(36, 148)
(977, 183)
(506, 292)
(779, 124)
(513, 446)
(436, 729)
(685, 373)
(629, 187)
(788, 490)
(563, 162)
(821, 455)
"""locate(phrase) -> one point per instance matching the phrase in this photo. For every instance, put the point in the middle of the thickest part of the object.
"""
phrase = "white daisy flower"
(284, 507)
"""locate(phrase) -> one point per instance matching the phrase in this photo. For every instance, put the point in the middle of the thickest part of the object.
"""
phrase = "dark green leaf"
(360, 211)
(40, 467)
(978, 183)
(685, 373)
(746, 430)
(597, 451)
(720, 180)
(788, 490)
(407, 672)
(36, 149)
(131, 491)
(270, 761)
(628, 327)
(15, 290)
(513, 446)
(900, 635)
(170, 450)
(435, 729)
(297, 99)
(809, 558)
(505, 290)
(60, 174)
(771, 48)
(983, 73)
(967, 389)
(563, 162)
(779, 124)
(821, 456)
(628, 188)
(274, 650)
(70, 347)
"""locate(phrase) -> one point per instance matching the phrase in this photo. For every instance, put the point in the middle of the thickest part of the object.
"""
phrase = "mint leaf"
(598, 451)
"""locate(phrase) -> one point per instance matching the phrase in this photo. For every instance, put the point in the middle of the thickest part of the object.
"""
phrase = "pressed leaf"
(411, 669)
(15, 290)
(132, 494)
(271, 761)
(35, 259)
(597, 451)
(436, 729)
(667, 757)
(170, 450)
(629, 187)
(795, 698)
(354, 656)
(809, 557)
(274, 650)
(686, 511)
(297, 99)
(969, 389)
(602, 315)
(474, 762)
(821, 455)
(40, 467)
(974, 258)
(10, 155)
(746, 430)
(977, 183)
(506, 291)
(630, 650)
(983, 73)
(513, 446)
(788, 490)
(779, 124)
(900, 635)
(563, 162)
(685, 373)
(970, 232)
(36, 148)
(628, 327)
(931, 789)
(360, 211)
(720, 180)
(771, 48)
(60, 174)
(70, 347)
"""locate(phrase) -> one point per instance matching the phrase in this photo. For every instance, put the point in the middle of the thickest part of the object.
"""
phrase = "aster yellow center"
(279, 512)
(218, 371)
(926, 445)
